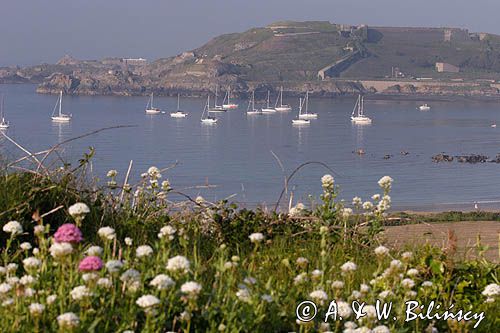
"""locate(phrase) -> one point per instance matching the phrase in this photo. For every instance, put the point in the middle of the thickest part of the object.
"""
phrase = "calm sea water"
(235, 154)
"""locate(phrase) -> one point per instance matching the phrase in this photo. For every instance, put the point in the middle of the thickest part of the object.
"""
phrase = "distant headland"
(325, 58)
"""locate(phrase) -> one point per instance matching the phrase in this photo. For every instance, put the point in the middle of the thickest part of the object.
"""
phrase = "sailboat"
(57, 114)
(281, 106)
(228, 105)
(4, 124)
(299, 120)
(306, 114)
(424, 107)
(216, 108)
(358, 115)
(205, 116)
(178, 113)
(268, 108)
(150, 109)
(251, 106)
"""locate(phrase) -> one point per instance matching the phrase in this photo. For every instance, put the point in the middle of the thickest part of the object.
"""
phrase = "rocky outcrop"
(473, 158)
(442, 158)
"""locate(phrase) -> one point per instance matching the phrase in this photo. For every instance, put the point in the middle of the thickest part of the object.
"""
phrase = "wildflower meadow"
(128, 258)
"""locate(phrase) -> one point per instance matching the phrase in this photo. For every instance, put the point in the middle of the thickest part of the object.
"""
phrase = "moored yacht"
(57, 114)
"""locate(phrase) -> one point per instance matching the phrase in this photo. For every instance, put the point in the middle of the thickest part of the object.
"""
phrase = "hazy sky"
(36, 31)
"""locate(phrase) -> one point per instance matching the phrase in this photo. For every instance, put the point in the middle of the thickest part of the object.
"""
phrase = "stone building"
(456, 34)
(443, 67)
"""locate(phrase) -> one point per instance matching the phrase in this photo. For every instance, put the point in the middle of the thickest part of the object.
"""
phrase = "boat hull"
(254, 112)
(153, 111)
(300, 122)
(361, 120)
(230, 106)
(424, 108)
(178, 115)
(308, 116)
(61, 119)
(209, 121)
(268, 110)
(216, 110)
(283, 108)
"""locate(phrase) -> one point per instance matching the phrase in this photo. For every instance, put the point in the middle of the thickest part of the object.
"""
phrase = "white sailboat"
(4, 124)
(216, 108)
(251, 110)
(228, 105)
(424, 107)
(205, 116)
(358, 115)
(57, 114)
(178, 113)
(281, 107)
(307, 114)
(268, 108)
(150, 109)
(299, 120)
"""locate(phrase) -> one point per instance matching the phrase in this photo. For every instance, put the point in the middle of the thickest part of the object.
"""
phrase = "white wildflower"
(167, 232)
(427, 284)
(26, 246)
(327, 182)
(302, 262)
(337, 284)
(412, 272)
(27, 280)
(95, 251)
(356, 201)
(38, 230)
(491, 290)
(51, 299)
(346, 212)
(344, 309)
(348, 267)
(154, 172)
(80, 292)
(385, 182)
(128, 241)
(13, 228)
(243, 295)
(104, 283)
(367, 205)
(249, 280)
(143, 251)
(36, 309)
(385, 294)
(130, 275)
(256, 237)
(114, 266)
(78, 210)
(147, 301)
(381, 251)
(178, 264)
(9, 301)
(370, 311)
(68, 320)
(60, 250)
(112, 173)
(299, 279)
(319, 295)
(408, 283)
(191, 288)
(162, 282)
(5, 288)
(106, 233)
(90, 277)
(31, 263)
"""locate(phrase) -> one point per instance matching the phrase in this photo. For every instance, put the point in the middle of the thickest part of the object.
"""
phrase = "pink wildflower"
(90, 263)
(68, 233)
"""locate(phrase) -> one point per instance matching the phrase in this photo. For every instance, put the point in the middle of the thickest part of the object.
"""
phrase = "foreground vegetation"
(126, 258)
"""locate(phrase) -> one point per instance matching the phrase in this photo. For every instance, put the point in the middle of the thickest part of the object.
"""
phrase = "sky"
(42, 31)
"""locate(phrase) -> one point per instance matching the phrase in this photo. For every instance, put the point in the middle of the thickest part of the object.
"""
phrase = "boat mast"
(228, 94)
(216, 93)
(253, 100)
(1, 109)
(300, 106)
(178, 101)
(268, 99)
(307, 102)
(281, 96)
(60, 103)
